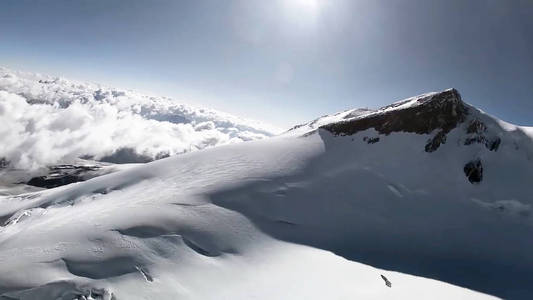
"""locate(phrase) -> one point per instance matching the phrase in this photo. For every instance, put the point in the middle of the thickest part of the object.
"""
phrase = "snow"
(84, 234)
(359, 113)
(48, 120)
(11, 180)
(410, 102)
(506, 126)
(326, 119)
(290, 217)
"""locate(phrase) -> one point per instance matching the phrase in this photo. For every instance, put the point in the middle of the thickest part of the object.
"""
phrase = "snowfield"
(49, 120)
(317, 215)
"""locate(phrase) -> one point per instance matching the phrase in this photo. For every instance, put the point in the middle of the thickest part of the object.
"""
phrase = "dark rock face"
(371, 140)
(52, 182)
(491, 144)
(435, 142)
(387, 282)
(476, 126)
(438, 111)
(474, 171)
(477, 131)
(495, 144)
(62, 175)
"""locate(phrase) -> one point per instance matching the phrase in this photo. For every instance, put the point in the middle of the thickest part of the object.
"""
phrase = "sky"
(283, 61)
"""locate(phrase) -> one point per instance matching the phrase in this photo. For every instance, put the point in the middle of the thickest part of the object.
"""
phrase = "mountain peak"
(448, 95)
(421, 114)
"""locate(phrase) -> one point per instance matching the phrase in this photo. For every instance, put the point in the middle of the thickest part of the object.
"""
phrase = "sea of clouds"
(48, 120)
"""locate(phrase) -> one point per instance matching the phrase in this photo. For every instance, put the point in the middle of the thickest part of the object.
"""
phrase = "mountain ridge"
(421, 114)
(299, 216)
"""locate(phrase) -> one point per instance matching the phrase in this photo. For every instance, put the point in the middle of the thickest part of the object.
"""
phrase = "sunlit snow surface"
(46, 120)
(312, 216)
(168, 230)
(258, 220)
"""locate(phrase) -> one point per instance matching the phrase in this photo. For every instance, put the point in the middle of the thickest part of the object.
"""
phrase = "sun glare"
(304, 11)
(312, 5)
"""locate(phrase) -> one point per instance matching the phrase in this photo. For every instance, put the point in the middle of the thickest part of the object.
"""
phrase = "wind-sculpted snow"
(46, 120)
(161, 231)
(318, 216)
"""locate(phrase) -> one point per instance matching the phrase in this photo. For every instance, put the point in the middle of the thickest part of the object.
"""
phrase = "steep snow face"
(318, 216)
(47, 120)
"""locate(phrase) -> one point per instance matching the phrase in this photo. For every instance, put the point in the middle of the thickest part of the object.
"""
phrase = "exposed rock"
(441, 111)
(491, 144)
(476, 126)
(62, 175)
(474, 171)
(495, 144)
(478, 135)
(371, 140)
(435, 142)
(387, 282)
(53, 181)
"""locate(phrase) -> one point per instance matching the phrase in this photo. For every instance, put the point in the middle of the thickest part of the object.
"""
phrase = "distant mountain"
(427, 198)
(49, 120)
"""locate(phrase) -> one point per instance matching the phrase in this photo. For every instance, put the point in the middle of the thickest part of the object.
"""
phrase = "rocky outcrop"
(477, 134)
(435, 142)
(62, 175)
(474, 171)
(371, 140)
(423, 115)
(387, 281)
(435, 114)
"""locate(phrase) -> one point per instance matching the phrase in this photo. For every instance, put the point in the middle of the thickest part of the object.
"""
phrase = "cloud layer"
(46, 120)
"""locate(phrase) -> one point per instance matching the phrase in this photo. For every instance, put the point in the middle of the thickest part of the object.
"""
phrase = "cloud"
(46, 120)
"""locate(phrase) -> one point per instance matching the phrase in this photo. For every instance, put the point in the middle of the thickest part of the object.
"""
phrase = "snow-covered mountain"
(49, 120)
(428, 195)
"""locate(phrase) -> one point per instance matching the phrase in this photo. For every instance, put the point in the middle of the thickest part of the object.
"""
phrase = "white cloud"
(46, 120)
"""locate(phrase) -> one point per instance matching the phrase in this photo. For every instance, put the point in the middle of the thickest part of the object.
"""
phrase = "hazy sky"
(283, 61)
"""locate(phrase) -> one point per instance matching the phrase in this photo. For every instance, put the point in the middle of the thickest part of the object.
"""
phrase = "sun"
(304, 8)
(302, 14)
(309, 5)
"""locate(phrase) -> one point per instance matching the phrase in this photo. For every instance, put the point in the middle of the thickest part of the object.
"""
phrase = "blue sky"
(283, 61)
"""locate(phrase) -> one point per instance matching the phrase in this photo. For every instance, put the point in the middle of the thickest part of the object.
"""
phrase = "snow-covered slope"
(327, 119)
(49, 120)
(315, 216)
